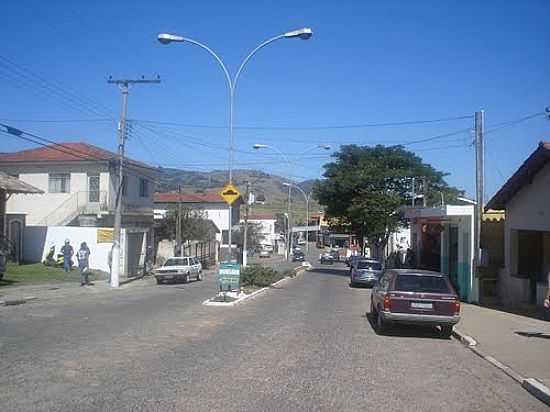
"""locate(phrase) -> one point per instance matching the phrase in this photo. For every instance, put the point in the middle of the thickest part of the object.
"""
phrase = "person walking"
(110, 263)
(68, 252)
(83, 256)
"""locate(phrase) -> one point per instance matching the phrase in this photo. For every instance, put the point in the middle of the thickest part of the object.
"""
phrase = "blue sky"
(368, 62)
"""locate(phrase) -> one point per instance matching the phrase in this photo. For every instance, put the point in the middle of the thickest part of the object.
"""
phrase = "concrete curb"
(299, 270)
(17, 301)
(537, 389)
(533, 386)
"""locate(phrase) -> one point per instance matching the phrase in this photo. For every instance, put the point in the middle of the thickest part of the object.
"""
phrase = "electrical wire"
(325, 127)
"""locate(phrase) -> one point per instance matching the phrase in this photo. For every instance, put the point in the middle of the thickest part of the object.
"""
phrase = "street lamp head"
(304, 33)
(324, 146)
(287, 184)
(166, 38)
(259, 146)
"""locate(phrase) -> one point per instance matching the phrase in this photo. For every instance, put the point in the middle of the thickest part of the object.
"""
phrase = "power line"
(322, 127)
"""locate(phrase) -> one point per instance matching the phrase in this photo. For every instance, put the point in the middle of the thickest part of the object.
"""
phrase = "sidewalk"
(519, 342)
(14, 295)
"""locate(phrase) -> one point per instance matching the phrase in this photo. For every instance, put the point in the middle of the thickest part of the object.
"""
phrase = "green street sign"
(229, 276)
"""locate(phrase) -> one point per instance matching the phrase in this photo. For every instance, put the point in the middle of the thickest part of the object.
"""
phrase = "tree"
(254, 237)
(193, 226)
(366, 186)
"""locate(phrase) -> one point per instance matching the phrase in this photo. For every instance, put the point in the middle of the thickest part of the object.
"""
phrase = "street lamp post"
(165, 38)
(307, 197)
(258, 146)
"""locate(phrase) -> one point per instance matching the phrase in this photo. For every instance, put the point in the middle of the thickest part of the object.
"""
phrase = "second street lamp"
(166, 38)
(259, 146)
(307, 197)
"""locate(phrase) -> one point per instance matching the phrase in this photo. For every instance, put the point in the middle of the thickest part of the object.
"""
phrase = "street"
(306, 345)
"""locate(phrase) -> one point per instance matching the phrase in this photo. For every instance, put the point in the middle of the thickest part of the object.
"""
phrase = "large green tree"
(366, 186)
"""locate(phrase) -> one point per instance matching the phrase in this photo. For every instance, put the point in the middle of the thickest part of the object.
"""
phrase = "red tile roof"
(524, 175)
(172, 197)
(65, 152)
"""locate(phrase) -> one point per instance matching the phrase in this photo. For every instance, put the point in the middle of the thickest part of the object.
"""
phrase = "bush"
(258, 275)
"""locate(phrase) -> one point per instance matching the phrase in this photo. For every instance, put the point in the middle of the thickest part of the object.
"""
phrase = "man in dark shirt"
(68, 252)
(83, 256)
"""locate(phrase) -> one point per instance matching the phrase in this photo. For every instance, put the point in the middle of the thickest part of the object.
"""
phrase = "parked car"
(417, 297)
(365, 271)
(326, 258)
(298, 256)
(264, 253)
(335, 254)
(179, 268)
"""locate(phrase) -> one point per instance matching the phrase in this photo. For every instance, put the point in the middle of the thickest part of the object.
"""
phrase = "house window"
(143, 188)
(59, 182)
(225, 237)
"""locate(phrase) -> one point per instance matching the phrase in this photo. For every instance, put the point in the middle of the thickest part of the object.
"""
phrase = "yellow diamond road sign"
(230, 193)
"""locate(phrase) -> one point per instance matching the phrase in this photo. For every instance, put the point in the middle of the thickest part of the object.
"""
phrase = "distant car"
(179, 268)
(335, 254)
(327, 258)
(417, 297)
(365, 271)
(264, 253)
(298, 256)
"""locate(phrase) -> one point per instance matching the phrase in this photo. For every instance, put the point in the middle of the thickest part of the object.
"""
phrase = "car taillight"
(457, 307)
(387, 303)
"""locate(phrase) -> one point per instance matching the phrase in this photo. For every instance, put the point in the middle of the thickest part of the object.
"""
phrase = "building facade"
(525, 197)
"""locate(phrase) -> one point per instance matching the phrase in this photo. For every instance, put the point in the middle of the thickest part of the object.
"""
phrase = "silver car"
(179, 268)
(365, 272)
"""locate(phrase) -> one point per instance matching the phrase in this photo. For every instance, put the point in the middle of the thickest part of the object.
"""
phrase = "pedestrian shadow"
(541, 335)
(407, 331)
(8, 282)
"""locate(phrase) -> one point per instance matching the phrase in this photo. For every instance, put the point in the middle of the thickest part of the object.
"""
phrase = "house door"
(93, 188)
(453, 256)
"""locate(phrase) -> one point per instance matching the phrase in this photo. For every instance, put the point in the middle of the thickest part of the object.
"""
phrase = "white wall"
(39, 206)
(529, 209)
(56, 235)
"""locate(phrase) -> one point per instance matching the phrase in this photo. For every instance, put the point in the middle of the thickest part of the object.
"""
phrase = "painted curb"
(537, 389)
(532, 385)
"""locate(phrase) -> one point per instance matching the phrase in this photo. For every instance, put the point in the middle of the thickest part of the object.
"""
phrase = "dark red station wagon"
(417, 297)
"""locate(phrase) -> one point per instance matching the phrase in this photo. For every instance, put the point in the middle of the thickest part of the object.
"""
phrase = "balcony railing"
(79, 203)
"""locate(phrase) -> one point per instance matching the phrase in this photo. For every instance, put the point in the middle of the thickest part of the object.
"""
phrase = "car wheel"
(186, 278)
(373, 311)
(446, 331)
(381, 326)
(199, 276)
(159, 281)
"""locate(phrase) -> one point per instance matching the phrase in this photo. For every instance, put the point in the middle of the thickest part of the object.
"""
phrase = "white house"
(80, 184)
(210, 204)
(266, 228)
(525, 197)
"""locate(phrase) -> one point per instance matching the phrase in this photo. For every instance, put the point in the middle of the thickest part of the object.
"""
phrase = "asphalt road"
(306, 345)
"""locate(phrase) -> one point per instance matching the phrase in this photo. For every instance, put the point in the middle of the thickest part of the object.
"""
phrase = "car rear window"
(176, 262)
(369, 265)
(426, 284)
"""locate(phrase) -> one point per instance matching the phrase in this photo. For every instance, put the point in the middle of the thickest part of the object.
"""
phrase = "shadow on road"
(533, 334)
(8, 282)
(336, 271)
(408, 331)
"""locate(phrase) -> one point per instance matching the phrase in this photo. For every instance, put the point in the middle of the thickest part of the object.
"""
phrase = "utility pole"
(413, 201)
(424, 191)
(479, 132)
(245, 231)
(178, 224)
(289, 225)
(124, 86)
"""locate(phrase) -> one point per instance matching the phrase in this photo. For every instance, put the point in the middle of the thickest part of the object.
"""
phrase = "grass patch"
(39, 273)
(257, 276)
